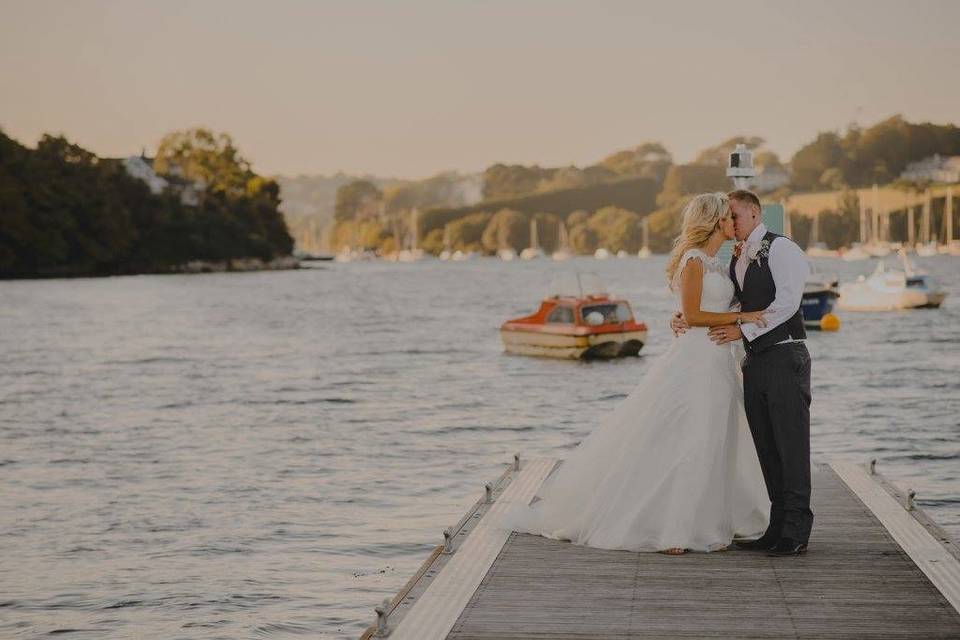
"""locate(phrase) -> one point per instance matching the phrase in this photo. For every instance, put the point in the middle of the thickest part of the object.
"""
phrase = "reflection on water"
(270, 454)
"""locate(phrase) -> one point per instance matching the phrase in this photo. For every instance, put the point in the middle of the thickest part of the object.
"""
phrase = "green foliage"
(687, 179)
(649, 160)
(64, 211)
(616, 229)
(633, 194)
(359, 199)
(200, 155)
(583, 239)
(875, 155)
(466, 232)
(507, 228)
(501, 181)
(811, 162)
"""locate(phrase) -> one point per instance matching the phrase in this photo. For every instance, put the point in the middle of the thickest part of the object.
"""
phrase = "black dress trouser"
(776, 395)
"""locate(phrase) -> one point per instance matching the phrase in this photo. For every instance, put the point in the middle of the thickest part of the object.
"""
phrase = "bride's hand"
(756, 317)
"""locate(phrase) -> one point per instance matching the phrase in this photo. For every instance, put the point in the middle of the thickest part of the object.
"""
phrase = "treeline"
(513, 194)
(862, 157)
(66, 212)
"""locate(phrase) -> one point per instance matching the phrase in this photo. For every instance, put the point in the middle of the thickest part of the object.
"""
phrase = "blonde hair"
(700, 218)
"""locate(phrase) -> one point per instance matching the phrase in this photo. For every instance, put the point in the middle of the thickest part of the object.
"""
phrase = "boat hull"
(854, 298)
(573, 347)
(815, 305)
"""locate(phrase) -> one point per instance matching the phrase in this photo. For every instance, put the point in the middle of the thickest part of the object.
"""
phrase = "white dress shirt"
(790, 268)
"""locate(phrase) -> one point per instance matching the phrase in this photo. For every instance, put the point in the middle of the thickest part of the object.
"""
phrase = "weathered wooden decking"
(873, 570)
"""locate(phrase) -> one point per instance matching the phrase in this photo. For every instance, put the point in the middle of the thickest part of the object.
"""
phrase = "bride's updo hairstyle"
(701, 217)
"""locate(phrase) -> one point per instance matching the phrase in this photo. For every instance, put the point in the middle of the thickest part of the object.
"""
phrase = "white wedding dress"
(673, 465)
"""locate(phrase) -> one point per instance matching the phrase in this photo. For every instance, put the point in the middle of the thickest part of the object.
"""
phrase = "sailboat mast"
(414, 231)
(948, 214)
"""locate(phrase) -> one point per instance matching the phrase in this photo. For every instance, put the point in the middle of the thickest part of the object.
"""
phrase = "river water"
(255, 455)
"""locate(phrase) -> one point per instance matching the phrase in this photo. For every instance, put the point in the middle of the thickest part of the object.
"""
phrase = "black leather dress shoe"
(760, 544)
(787, 547)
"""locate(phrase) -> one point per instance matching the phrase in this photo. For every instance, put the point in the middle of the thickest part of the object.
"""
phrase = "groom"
(769, 272)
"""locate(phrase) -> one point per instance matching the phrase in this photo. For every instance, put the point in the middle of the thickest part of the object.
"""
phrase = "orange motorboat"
(575, 325)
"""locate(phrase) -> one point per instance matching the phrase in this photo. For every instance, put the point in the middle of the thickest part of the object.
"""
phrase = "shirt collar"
(757, 233)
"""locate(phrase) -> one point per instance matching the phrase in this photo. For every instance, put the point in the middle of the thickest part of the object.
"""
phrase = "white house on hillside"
(769, 178)
(936, 168)
(141, 167)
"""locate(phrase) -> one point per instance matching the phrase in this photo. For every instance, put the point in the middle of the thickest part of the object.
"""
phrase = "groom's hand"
(726, 333)
(678, 324)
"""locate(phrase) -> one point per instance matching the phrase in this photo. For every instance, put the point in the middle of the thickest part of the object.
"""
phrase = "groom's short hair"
(745, 195)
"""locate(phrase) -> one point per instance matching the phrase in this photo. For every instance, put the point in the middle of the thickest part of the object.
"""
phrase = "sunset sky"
(411, 88)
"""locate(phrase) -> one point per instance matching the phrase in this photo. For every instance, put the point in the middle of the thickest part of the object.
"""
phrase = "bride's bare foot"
(674, 551)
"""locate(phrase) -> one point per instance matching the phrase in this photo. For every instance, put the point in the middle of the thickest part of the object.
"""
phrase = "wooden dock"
(876, 568)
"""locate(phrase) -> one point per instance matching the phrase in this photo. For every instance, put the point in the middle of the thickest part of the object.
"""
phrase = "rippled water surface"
(270, 454)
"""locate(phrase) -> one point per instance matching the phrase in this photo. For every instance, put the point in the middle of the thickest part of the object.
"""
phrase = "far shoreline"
(231, 265)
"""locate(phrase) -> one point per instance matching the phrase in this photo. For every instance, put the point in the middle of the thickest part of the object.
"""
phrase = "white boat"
(892, 289)
(507, 253)
(855, 253)
(413, 253)
(533, 251)
(601, 254)
(447, 253)
(563, 243)
(927, 250)
(623, 253)
(459, 255)
(820, 250)
(877, 249)
(644, 252)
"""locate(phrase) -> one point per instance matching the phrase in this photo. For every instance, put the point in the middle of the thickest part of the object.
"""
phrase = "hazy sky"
(410, 88)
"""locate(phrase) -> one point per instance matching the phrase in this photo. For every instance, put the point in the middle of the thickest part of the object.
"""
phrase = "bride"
(673, 467)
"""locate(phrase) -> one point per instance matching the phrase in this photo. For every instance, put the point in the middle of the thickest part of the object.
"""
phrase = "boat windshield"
(612, 312)
(561, 315)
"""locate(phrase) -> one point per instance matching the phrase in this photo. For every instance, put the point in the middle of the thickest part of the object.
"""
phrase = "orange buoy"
(829, 322)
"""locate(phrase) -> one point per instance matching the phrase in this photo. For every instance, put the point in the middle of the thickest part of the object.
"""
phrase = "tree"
(809, 163)
(506, 229)
(616, 229)
(649, 160)
(358, 199)
(200, 155)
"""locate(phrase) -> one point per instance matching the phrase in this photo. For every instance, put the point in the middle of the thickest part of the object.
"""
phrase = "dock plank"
(855, 582)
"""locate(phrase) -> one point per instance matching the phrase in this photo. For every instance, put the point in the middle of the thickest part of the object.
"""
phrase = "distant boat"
(563, 243)
(820, 294)
(644, 252)
(459, 255)
(888, 290)
(877, 249)
(927, 250)
(855, 253)
(412, 253)
(623, 253)
(601, 254)
(533, 251)
(507, 253)
(820, 250)
(446, 254)
(577, 320)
